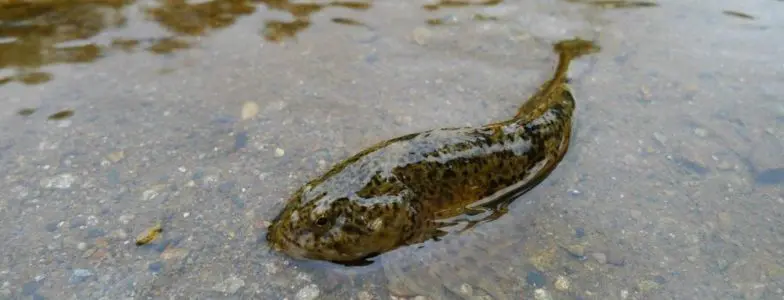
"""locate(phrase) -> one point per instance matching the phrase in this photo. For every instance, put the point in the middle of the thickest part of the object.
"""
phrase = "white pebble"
(309, 292)
(62, 181)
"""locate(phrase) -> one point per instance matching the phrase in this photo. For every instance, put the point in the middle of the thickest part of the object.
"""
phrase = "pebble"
(115, 156)
(240, 140)
(155, 267)
(279, 152)
(249, 110)
(81, 246)
(647, 285)
(172, 253)
(230, 285)
(62, 181)
(616, 258)
(542, 294)
(226, 187)
(364, 295)
(125, 219)
(309, 292)
(77, 222)
(95, 233)
(562, 283)
(576, 250)
(80, 275)
(700, 132)
(600, 257)
(660, 138)
(118, 235)
(30, 288)
(149, 195)
(535, 279)
(724, 220)
(53, 226)
(420, 35)
(466, 289)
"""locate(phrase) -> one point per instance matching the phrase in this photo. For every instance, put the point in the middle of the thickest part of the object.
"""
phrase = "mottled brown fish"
(413, 188)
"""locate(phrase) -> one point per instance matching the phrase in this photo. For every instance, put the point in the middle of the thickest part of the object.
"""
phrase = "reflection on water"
(36, 34)
(617, 3)
(738, 14)
(459, 3)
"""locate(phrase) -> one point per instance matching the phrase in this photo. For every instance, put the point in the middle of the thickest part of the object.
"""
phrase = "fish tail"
(549, 93)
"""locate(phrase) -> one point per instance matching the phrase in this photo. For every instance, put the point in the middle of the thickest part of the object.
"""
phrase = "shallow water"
(672, 188)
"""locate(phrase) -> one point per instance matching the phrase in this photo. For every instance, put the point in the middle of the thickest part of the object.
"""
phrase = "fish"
(419, 187)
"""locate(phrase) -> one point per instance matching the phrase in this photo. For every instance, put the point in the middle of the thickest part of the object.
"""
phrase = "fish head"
(321, 224)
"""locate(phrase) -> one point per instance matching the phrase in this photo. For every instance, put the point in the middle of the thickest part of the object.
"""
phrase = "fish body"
(413, 188)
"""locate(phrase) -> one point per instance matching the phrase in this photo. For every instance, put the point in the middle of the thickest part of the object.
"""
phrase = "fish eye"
(321, 221)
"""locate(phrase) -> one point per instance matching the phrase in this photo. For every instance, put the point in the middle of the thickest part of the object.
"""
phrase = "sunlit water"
(207, 115)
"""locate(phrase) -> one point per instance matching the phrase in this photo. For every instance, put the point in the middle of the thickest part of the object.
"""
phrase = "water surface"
(206, 115)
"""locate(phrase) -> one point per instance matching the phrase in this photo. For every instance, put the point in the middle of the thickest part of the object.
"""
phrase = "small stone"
(600, 257)
(95, 233)
(279, 152)
(542, 294)
(249, 110)
(562, 283)
(118, 235)
(240, 140)
(659, 279)
(647, 285)
(700, 132)
(230, 285)
(420, 35)
(155, 267)
(62, 181)
(724, 220)
(81, 246)
(660, 138)
(30, 288)
(77, 222)
(615, 258)
(52, 227)
(466, 289)
(80, 275)
(174, 253)
(535, 279)
(724, 165)
(115, 156)
(149, 195)
(576, 250)
(125, 219)
(364, 295)
(309, 292)
(624, 294)
(226, 187)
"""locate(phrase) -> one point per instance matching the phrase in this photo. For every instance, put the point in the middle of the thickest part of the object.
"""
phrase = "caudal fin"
(567, 51)
(575, 47)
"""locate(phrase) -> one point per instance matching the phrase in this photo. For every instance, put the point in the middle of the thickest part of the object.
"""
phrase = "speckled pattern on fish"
(413, 188)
